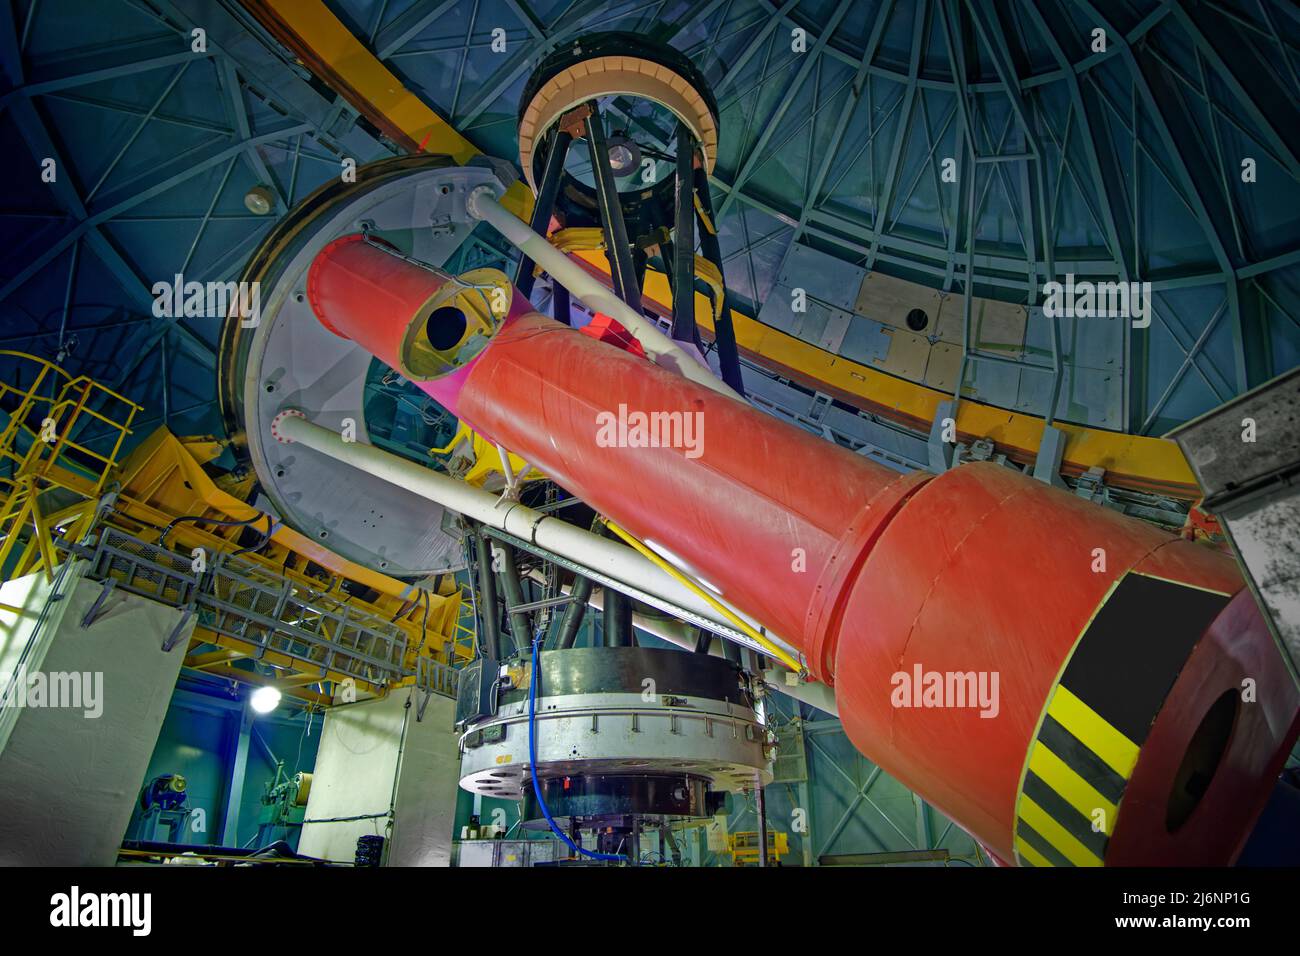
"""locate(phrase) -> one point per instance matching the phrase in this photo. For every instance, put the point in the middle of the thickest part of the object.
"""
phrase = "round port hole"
(445, 327)
(1204, 753)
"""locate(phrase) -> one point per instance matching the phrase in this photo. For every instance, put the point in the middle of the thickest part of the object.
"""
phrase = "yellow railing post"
(61, 463)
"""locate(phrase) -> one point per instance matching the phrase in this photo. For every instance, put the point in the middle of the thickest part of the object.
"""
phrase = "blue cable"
(533, 680)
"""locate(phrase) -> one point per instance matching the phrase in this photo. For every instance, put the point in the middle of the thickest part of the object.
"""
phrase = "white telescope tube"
(601, 555)
(661, 350)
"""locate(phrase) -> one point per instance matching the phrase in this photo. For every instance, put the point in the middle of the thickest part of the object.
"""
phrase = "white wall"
(426, 794)
(356, 766)
(68, 782)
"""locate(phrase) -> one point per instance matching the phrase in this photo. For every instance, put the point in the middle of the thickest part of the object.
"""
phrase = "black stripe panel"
(1037, 841)
(1135, 647)
(1103, 778)
(1056, 807)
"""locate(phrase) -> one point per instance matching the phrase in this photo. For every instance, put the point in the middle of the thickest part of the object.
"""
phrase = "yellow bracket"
(484, 460)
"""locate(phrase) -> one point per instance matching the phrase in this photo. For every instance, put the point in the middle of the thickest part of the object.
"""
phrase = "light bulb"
(265, 700)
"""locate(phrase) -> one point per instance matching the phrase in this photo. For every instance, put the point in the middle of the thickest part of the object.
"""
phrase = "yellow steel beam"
(328, 48)
(1137, 461)
(287, 687)
(219, 662)
(160, 466)
(41, 531)
(202, 662)
(236, 649)
(13, 517)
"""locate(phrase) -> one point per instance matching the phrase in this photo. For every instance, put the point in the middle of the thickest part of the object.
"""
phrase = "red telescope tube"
(1063, 681)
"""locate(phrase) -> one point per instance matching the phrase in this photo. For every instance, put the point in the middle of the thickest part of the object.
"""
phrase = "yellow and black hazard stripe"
(1098, 716)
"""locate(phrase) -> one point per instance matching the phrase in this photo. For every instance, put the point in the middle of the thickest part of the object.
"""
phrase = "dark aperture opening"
(917, 320)
(1204, 753)
(445, 327)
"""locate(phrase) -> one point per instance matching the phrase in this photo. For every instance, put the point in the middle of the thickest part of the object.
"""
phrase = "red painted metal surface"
(867, 571)
(364, 290)
(986, 570)
(352, 279)
(739, 514)
(1237, 649)
(606, 329)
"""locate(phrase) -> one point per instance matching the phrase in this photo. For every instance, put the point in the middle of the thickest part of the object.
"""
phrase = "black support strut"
(512, 590)
(724, 333)
(618, 620)
(489, 609)
(618, 248)
(683, 261)
(545, 206)
(560, 303)
(574, 613)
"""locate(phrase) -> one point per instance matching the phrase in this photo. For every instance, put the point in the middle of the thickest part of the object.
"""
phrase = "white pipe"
(601, 555)
(810, 692)
(661, 350)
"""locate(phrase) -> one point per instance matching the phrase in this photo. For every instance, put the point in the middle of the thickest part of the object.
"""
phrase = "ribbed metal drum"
(620, 730)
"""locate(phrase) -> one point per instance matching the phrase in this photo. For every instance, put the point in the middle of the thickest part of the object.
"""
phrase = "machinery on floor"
(284, 805)
(163, 812)
(618, 742)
